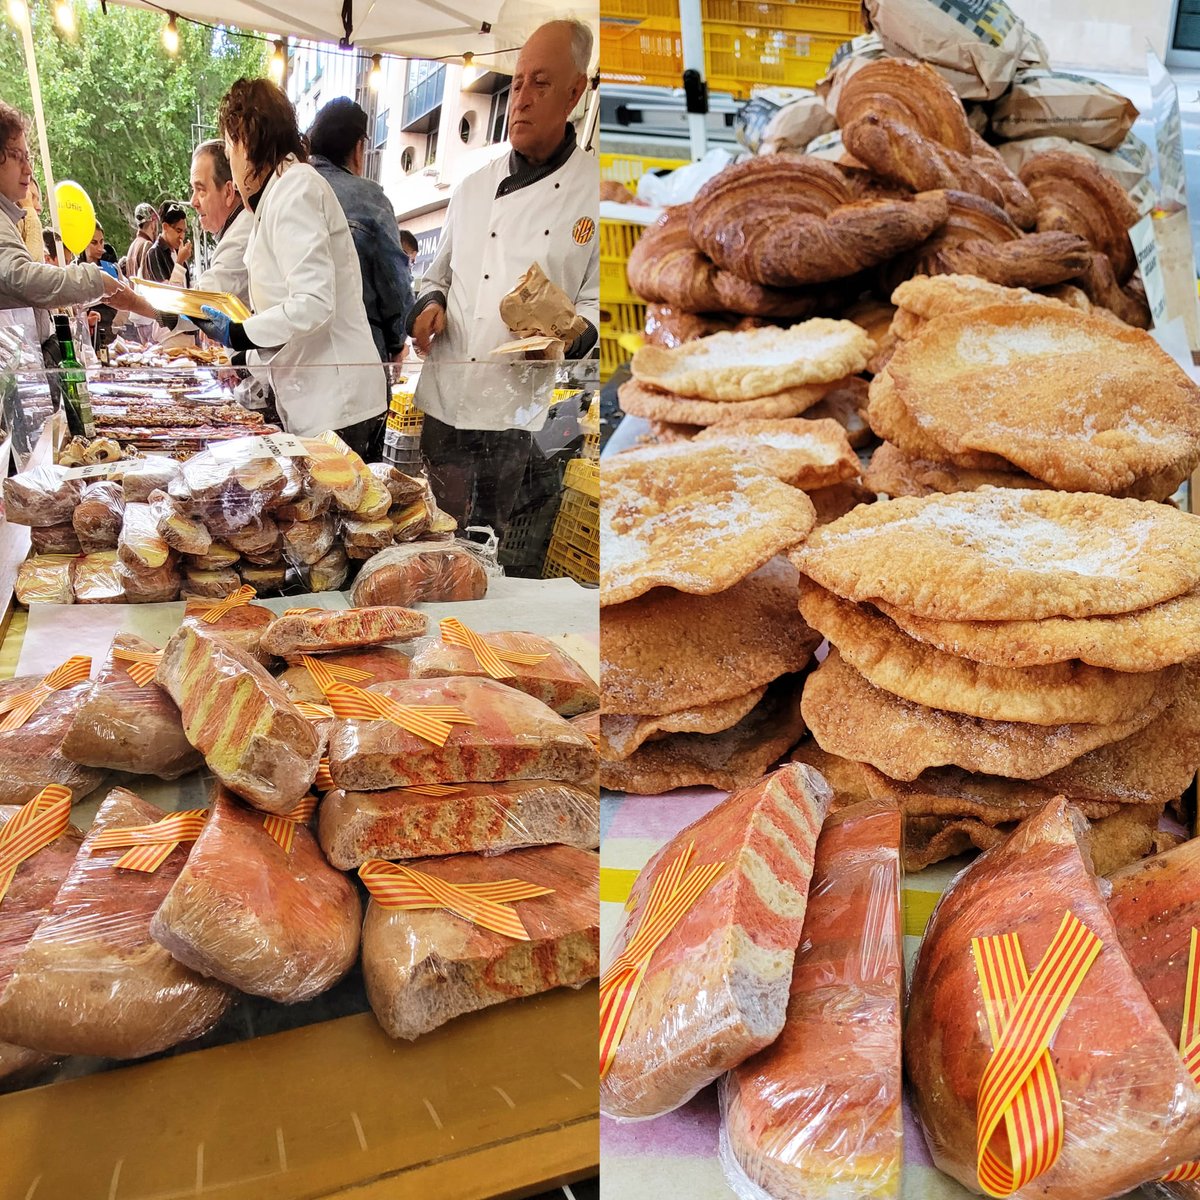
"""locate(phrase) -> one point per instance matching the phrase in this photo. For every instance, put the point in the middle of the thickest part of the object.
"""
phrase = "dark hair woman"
(309, 331)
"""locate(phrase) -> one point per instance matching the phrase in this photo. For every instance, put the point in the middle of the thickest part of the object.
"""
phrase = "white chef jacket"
(306, 292)
(487, 244)
(227, 267)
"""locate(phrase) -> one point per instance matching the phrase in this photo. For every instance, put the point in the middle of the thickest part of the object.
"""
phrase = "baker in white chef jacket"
(538, 203)
(308, 332)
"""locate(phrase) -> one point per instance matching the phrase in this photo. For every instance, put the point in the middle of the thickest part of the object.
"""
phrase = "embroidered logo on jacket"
(584, 231)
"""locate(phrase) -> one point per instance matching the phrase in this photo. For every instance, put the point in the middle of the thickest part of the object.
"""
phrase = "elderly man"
(537, 204)
(219, 206)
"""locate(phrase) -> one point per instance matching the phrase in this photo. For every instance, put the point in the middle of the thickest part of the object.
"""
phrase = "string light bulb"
(278, 63)
(64, 16)
(170, 36)
(18, 11)
(375, 78)
(468, 58)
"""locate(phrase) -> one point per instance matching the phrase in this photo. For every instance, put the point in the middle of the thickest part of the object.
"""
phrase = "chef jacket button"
(472, 360)
(557, 185)
(487, 277)
(493, 234)
(547, 233)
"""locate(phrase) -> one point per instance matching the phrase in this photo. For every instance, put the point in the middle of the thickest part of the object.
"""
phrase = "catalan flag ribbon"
(211, 611)
(300, 612)
(324, 781)
(325, 674)
(1019, 1088)
(152, 844)
(32, 828)
(143, 664)
(434, 789)
(431, 722)
(1189, 1046)
(315, 712)
(19, 707)
(495, 662)
(283, 828)
(675, 889)
(394, 885)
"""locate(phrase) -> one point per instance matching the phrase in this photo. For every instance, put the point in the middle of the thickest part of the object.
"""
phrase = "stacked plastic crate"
(574, 550)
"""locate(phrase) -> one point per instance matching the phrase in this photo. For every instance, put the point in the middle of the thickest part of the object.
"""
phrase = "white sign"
(96, 471)
(269, 445)
(1146, 248)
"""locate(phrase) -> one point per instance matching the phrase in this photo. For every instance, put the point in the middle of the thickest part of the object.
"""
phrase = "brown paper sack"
(538, 308)
(1055, 103)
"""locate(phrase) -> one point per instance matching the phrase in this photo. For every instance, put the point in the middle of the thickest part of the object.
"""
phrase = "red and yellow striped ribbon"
(32, 828)
(19, 707)
(675, 889)
(430, 722)
(143, 663)
(152, 844)
(394, 885)
(300, 612)
(324, 781)
(434, 789)
(211, 611)
(315, 712)
(490, 659)
(1019, 1087)
(325, 675)
(283, 828)
(1189, 1046)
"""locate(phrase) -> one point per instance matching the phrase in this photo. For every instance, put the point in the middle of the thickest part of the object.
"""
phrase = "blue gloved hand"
(215, 324)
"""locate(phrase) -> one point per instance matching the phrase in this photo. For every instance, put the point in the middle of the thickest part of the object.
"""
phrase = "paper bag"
(1056, 103)
(538, 308)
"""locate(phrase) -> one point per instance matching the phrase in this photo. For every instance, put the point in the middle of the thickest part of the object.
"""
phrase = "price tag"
(269, 445)
(1146, 248)
(95, 471)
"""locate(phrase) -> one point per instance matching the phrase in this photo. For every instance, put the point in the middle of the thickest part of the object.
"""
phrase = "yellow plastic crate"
(629, 168)
(403, 415)
(622, 318)
(578, 523)
(640, 10)
(744, 58)
(611, 354)
(649, 53)
(614, 283)
(617, 239)
(563, 561)
(583, 476)
(812, 16)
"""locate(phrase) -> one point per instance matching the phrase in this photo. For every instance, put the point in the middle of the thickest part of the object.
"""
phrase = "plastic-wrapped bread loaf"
(214, 585)
(421, 571)
(272, 922)
(29, 896)
(380, 663)
(140, 546)
(91, 980)
(511, 736)
(818, 1113)
(558, 680)
(424, 968)
(306, 542)
(252, 736)
(472, 817)
(329, 572)
(45, 579)
(716, 989)
(260, 536)
(341, 629)
(149, 475)
(146, 585)
(177, 527)
(242, 626)
(402, 488)
(124, 726)
(375, 502)
(99, 515)
(41, 497)
(95, 580)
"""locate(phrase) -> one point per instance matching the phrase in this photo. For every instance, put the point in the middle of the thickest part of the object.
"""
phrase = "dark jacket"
(387, 281)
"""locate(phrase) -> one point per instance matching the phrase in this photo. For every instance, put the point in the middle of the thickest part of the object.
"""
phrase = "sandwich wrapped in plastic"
(127, 725)
(257, 906)
(818, 1113)
(423, 968)
(716, 988)
(55, 539)
(501, 734)
(254, 739)
(95, 579)
(422, 572)
(91, 980)
(45, 579)
(41, 497)
(30, 893)
(1130, 1111)
(555, 679)
(457, 818)
(99, 515)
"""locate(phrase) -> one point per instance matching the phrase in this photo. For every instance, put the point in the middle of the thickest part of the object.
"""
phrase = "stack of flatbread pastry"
(998, 386)
(995, 648)
(753, 375)
(701, 640)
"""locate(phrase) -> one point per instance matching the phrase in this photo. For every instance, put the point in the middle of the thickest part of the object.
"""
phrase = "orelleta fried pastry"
(621, 736)
(640, 400)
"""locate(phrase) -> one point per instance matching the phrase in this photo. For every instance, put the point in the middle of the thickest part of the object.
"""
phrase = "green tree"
(119, 110)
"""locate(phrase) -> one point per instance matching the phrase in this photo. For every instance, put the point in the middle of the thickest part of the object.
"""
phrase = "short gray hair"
(581, 45)
(215, 149)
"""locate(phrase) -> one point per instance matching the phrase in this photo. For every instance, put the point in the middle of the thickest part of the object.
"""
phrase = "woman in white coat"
(309, 328)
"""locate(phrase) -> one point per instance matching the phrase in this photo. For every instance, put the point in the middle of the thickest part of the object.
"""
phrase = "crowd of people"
(313, 251)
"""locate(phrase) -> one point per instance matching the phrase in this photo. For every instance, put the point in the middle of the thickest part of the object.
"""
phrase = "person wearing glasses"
(26, 282)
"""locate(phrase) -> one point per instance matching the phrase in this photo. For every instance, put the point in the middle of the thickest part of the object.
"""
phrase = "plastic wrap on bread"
(429, 572)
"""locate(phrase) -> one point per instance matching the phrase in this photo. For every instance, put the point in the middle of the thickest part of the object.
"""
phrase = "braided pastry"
(665, 267)
(1076, 194)
(981, 239)
(1128, 302)
(781, 220)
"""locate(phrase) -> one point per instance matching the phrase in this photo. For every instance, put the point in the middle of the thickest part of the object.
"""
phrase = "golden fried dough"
(1070, 398)
(848, 779)
(852, 719)
(697, 523)
(726, 760)
(928, 296)
(668, 651)
(1146, 640)
(845, 403)
(833, 503)
(640, 400)
(806, 454)
(1007, 554)
(895, 473)
(1055, 694)
(756, 362)
(620, 735)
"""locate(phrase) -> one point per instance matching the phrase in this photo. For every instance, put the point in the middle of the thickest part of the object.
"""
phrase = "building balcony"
(423, 102)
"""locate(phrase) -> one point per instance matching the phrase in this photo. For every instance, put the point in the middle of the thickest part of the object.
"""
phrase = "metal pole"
(692, 27)
(39, 117)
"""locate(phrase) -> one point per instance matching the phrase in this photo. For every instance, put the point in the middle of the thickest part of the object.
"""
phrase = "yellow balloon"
(76, 216)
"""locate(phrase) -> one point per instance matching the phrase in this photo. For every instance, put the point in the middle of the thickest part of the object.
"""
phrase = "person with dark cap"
(147, 228)
(337, 142)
